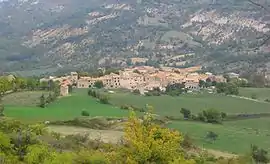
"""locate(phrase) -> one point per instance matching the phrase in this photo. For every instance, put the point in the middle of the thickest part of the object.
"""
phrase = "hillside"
(39, 36)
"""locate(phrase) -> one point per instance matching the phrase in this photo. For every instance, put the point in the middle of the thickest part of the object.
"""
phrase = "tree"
(31, 83)
(201, 84)
(259, 155)
(212, 136)
(19, 83)
(5, 85)
(212, 116)
(175, 89)
(98, 84)
(42, 102)
(149, 143)
(227, 88)
(208, 83)
(186, 113)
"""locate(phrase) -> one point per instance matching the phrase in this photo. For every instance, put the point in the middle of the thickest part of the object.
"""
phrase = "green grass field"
(29, 98)
(261, 93)
(233, 137)
(170, 106)
(62, 109)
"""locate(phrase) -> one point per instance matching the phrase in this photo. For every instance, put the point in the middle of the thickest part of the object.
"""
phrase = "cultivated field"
(62, 109)
(170, 106)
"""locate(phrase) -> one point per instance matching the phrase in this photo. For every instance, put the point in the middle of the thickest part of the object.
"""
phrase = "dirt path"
(247, 98)
(107, 136)
(217, 153)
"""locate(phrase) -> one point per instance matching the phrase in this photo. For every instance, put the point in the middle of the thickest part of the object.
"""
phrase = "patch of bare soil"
(106, 136)
(217, 153)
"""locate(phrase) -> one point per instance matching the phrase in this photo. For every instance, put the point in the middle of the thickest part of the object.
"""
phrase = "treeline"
(13, 84)
(209, 116)
(215, 117)
(171, 90)
(103, 98)
(132, 107)
(143, 142)
(9, 84)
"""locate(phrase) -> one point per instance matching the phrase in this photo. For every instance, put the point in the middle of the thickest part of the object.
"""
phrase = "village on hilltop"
(142, 78)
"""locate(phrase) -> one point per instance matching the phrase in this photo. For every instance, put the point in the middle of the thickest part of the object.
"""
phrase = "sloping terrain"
(39, 36)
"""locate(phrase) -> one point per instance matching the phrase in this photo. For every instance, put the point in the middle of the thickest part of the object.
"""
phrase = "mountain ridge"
(53, 36)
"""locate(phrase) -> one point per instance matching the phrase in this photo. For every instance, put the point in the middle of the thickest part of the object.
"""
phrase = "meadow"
(64, 108)
(170, 106)
(260, 93)
(233, 136)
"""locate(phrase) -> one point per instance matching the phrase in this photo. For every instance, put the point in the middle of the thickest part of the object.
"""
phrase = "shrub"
(131, 107)
(259, 155)
(212, 136)
(254, 96)
(223, 115)
(187, 141)
(85, 113)
(267, 100)
(42, 102)
(104, 99)
(211, 116)
(186, 113)
(90, 92)
(125, 107)
(136, 92)
(2, 108)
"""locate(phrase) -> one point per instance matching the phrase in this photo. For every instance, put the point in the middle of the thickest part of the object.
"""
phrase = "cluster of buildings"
(143, 78)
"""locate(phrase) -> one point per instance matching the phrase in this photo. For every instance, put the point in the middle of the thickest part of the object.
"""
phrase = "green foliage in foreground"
(143, 142)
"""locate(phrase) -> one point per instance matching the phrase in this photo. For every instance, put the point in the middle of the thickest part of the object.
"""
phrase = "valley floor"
(233, 136)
